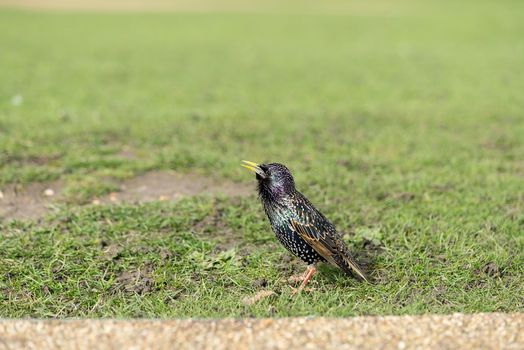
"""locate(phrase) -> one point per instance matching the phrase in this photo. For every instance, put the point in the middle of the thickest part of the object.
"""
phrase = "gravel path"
(458, 331)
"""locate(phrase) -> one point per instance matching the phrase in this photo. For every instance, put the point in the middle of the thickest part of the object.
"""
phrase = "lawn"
(405, 126)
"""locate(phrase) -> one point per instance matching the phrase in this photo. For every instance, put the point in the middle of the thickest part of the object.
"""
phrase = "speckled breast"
(295, 244)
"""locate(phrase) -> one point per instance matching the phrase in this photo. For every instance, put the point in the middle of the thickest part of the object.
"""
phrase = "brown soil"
(236, 6)
(138, 281)
(168, 185)
(34, 200)
(137, 5)
(28, 201)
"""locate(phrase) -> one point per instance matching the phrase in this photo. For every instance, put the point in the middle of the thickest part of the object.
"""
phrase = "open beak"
(254, 168)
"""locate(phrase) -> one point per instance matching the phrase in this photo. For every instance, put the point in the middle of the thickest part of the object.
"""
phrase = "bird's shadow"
(366, 259)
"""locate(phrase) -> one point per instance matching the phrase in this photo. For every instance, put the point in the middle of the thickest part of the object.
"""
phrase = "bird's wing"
(322, 237)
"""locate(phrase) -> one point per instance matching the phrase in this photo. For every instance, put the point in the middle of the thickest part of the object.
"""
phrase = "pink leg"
(308, 273)
(298, 278)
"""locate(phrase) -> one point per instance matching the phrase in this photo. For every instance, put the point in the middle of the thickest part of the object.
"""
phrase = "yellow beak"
(254, 167)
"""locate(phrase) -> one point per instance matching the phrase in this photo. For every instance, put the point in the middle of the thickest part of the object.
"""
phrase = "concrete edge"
(456, 331)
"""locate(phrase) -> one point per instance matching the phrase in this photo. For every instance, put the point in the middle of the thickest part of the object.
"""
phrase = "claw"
(298, 278)
(307, 275)
(295, 291)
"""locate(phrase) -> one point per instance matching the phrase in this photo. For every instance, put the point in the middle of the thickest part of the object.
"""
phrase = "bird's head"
(274, 179)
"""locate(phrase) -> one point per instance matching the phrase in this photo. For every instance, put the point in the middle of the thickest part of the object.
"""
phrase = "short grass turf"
(403, 125)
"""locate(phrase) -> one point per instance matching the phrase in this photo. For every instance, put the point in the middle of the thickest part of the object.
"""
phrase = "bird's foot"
(298, 278)
(295, 291)
(306, 274)
(305, 278)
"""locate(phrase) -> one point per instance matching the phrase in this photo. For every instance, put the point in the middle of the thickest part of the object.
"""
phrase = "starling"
(298, 225)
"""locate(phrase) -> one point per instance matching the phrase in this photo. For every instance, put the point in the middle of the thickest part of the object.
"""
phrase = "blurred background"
(375, 85)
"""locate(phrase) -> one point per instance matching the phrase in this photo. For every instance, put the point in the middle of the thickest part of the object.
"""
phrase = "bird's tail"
(350, 266)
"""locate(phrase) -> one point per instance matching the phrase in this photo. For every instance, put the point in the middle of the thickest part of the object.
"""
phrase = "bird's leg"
(298, 278)
(308, 273)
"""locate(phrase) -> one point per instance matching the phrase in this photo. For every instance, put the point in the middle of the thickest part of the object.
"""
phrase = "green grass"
(405, 128)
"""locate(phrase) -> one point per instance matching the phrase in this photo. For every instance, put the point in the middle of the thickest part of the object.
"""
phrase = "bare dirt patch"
(381, 8)
(135, 5)
(31, 201)
(28, 201)
(137, 281)
(169, 186)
